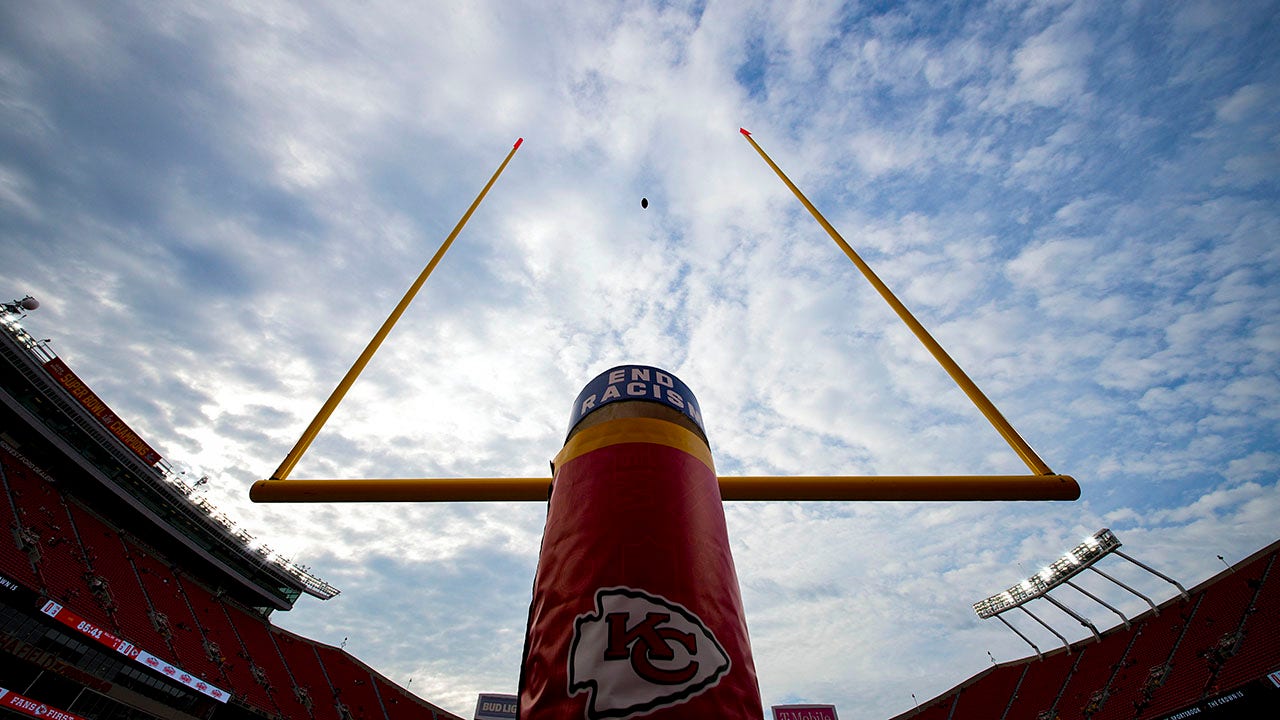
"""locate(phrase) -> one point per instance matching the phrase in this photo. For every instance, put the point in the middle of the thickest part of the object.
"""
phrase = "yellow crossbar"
(766, 487)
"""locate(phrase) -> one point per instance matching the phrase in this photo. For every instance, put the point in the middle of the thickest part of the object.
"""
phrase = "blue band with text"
(636, 382)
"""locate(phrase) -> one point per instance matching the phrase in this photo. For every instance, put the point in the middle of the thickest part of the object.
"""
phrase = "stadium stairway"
(224, 644)
(44, 515)
(1098, 663)
(173, 615)
(1041, 685)
(1215, 615)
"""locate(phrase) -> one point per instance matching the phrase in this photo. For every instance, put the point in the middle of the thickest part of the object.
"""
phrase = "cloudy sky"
(218, 203)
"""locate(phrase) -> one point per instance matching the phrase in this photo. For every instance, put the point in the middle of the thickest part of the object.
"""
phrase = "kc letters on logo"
(639, 652)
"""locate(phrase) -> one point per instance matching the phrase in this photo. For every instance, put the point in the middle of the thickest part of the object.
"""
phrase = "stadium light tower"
(1075, 561)
(11, 315)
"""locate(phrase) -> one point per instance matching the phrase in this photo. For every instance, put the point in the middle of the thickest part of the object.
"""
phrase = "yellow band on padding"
(635, 430)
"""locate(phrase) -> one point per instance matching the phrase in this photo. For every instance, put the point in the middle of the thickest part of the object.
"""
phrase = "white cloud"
(1079, 211)
(1241, 103)
(1051, 66)
(14, 193)
(1245, 171)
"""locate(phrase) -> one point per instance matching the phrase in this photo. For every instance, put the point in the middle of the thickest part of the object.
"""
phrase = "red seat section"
(1258, 649)
(301, 657)
(174, 616)
(108, 571)
(1223, 635)
(13, 559)
(1098, 661)
(354, 683)
(399, 704)
(1041, 685)
(1150, 651)
(64, 550)
(991, 691)
(45, 520)
(225, 645)
(1217, 614)
(131, 607)
(260, 651)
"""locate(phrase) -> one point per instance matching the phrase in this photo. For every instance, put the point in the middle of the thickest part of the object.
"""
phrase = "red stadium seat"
(261, 652)
(13, 560)
(992, 690)
(217, 629)
(1259, 647)
(300, 655)
(357, 690)
(166, 597)
(1098, 662)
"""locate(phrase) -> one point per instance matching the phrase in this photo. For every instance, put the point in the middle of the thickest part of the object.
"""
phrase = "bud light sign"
(496, 707)
(804, 712)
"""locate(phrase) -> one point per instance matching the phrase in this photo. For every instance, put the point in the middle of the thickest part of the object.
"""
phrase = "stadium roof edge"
(277, 582)
(62, 446)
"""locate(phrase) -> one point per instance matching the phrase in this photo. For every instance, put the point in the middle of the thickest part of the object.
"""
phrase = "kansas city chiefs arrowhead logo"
(640, 652)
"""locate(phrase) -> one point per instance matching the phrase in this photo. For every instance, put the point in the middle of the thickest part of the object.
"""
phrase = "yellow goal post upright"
(1041, 484)
(313, 429)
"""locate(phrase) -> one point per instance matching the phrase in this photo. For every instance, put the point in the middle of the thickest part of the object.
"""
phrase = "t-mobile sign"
(804, 712)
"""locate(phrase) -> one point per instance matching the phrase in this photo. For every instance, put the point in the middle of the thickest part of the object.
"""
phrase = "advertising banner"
(88, 629)
(128, 649)
(804, 712)
(175, 673)
(496, 707)
(11, 700)
(81, 392)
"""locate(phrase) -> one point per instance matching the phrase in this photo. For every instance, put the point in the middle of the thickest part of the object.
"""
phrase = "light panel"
(1090, 550)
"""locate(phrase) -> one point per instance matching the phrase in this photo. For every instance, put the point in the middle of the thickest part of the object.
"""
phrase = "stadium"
(1203, 653)
(125, 595)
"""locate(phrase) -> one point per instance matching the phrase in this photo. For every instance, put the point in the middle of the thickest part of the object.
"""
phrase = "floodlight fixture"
(1080, 558)
(1090, 550)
